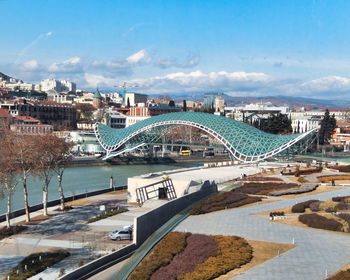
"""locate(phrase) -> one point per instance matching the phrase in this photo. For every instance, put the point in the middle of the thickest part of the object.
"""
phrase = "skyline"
(243, 48)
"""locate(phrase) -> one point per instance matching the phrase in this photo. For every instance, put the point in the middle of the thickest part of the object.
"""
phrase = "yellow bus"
(185, 153)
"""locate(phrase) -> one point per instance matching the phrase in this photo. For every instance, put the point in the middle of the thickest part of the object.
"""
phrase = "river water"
(78, 180)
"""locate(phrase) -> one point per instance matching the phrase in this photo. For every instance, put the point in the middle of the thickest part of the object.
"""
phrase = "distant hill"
(6, 78)
(281, 100)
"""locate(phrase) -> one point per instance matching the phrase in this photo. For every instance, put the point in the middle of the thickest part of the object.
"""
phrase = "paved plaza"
(317, 253)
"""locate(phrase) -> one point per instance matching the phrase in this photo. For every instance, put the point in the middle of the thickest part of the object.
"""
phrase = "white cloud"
(31, 65)
(190, 62)
(93, 80)
(141, 57)
(72, 65)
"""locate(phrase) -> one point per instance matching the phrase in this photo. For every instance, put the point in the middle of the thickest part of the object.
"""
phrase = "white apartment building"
(301, 124)
(19, 86)
(114, 119)
(52, 84)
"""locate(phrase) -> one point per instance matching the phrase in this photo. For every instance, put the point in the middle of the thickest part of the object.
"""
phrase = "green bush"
(37, 263)
(107, 214)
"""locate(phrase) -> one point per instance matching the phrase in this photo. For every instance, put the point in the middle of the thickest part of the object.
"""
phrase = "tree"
(184, 105)
(45, 152)
(8, 170)
(25, 145)
(171, 103)
(328, 124)
(128, 103)
(85, 111)
(276, 124)
(62, 157)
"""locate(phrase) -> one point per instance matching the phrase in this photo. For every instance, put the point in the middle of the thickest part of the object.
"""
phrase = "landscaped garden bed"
(260, 179)
(342, 168)
(317, 221)
(344, 274)
(186, 256)
(36, 263)
(107, 214)
(330, 178)
(7, 232)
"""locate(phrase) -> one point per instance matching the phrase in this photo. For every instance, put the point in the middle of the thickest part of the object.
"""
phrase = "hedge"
(263, 188)
(329, 178)
(171, 245)
(199, 248)
(342, 168)
(37, 263)
(260, 178)
(233, 252)
(302, 189)
(300, 207)
(318, 221)
(346, 218)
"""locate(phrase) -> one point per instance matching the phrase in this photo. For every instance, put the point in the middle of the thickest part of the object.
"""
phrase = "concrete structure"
(341, 136)
(114, 119)
(97, 99)
(301, 124)
(210, 100)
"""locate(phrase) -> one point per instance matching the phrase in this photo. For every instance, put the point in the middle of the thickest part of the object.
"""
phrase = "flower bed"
(223, 253)
(330, 178)
(36, 263)
(263, 188)
(318, 221)
(342, 168)
(300, 207)
(172, 244)
(342, 275)
(260, 179)
(302, 189)
(107, 214)
(199, 248)
(222, 201)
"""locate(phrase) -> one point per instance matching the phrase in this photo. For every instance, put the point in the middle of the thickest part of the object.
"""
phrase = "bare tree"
(8, 170)
(62, 157)
(25, 145)
(45, 151)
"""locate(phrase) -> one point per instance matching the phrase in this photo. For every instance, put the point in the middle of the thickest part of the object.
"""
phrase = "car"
(120, 235)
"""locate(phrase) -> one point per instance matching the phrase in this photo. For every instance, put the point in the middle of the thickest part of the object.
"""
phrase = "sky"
(239, 47)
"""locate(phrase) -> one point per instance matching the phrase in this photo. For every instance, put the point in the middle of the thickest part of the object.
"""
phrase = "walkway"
(316, 252)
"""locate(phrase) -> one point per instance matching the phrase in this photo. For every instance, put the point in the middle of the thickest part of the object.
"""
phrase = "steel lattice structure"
(245, 143)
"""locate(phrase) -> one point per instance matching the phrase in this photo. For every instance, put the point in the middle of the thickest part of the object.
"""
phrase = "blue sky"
(239, 47)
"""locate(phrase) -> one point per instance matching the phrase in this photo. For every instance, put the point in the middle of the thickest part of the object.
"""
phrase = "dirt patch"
(36, 220)
(338, 276)
(262, 251)
(117, 192)
(79, 202)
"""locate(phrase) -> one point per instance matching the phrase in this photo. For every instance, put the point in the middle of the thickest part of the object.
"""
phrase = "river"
(84, 179)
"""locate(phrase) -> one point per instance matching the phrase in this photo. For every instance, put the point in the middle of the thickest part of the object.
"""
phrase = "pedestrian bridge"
(244, 143)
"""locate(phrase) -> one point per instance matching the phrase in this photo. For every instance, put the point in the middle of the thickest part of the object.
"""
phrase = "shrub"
(302, 180)
(340, 198)
(276, 214)
(260, 178)
(300, 207)
(315, 206)
(342, 168)
(35, 266)
(263, 188)
(342, 275)
(233, 252)
(222, 201)
(172, 244)
(342, 206)
(107, 214)
(6, 232)
(329, 178)
(316, 221)
(199, 248)
(346, 218)
(302, 189)
(328, 205)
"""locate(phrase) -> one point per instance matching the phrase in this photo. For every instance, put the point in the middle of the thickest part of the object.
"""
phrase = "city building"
(341, 136)
(254, 112)
(54, 96)
(301, 124)
(114, 119)
(58, 86)
(135, 99)
(210, 100)
(46, 112)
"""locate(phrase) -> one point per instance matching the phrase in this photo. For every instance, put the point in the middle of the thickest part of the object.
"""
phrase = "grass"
(36, 263)
(7, 232)
(107, 214)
